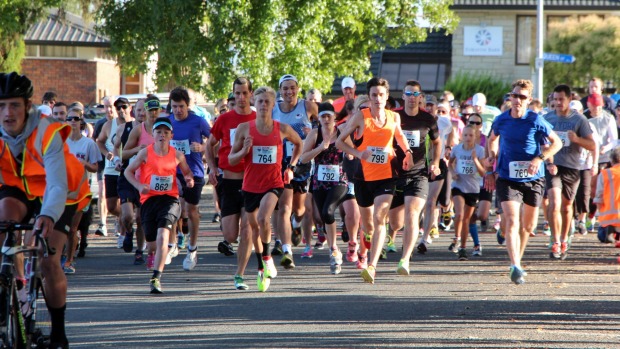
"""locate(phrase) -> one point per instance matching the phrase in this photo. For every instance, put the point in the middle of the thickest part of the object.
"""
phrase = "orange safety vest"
(609, 209)
(30, 176)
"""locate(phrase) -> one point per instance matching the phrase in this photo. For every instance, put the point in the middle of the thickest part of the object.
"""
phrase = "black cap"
(121, 101)
(162, 121)
(326, 108)
(231, 97)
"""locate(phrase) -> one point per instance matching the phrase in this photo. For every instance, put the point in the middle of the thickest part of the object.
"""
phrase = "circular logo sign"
(483, 37)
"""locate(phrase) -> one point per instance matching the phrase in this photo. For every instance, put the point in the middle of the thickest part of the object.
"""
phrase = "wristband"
(489, 173)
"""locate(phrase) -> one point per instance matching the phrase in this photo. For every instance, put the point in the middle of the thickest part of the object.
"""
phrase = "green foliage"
(262, 39)
(464, 85)
(595, 45)
(16, 16)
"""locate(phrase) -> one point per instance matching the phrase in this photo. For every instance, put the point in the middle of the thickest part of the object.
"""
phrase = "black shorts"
(443, 167)
(300, 187)
(367, 191)
(567, 179)
(160, 211)
(350, 195)
(251, 201)
(471, 199)
(33, 208)
(485, 195)
(444, 196)
(584, 192)
(399, 195)
(190, 195)
(529, 193)
(111, 184)
(127, 192)
(416, 184)
(231, 197)
(219, 190)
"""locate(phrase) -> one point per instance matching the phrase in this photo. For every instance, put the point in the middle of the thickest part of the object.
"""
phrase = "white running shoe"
(119, 241)
(172, 252)
(190, 260)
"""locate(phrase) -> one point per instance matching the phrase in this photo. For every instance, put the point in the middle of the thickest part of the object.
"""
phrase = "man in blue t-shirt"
(520, 134)
(190, 131)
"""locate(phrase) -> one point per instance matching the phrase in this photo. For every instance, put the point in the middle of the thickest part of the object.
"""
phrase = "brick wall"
(72, 80)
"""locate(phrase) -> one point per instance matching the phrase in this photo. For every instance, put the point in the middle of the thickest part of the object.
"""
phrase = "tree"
(16, 17)
(262, 39)
(595, 45)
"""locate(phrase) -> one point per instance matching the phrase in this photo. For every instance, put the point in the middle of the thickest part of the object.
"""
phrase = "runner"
(259, 144)
(159, 193)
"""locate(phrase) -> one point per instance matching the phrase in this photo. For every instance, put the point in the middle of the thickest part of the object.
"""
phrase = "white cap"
(348, 82)
(45, 109)
(479, 100)
(287, 77)
(576, 105)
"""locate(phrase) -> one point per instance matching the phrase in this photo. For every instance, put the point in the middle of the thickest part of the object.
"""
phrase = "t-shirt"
(445, 128)
(607, 138)
(185, 132)
(416, 129)
(84, 149)
(224, 131)
(520, 141)
(96, 131)
(569, 155)
(468, 180)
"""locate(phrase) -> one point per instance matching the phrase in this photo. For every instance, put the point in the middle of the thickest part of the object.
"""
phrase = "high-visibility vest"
(609, 209)
(30, 177)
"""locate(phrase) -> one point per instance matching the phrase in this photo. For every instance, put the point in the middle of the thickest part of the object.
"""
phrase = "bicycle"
(22, 313)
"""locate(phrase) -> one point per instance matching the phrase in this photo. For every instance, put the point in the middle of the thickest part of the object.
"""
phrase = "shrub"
(465, 84)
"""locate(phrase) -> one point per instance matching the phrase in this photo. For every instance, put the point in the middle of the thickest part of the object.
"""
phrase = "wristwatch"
(541, 156)
(290, 167)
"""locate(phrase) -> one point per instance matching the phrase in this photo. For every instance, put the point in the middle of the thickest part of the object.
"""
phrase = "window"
(58, 51)
(131, 84)
(32, 50)
(526, 39)
(432, 76)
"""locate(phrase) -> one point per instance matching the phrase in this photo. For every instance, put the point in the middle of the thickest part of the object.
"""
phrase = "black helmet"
(14, 85)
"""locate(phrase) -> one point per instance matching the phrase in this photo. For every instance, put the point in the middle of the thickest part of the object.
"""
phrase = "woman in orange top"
(375, 130)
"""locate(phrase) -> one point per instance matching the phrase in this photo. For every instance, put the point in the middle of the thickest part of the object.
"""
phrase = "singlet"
(297, 119)
(146, 138)
(159, 172)
(416, 128)
(263, 163)
(328, 171)
(224, 131)
(109, 145)
(128, 126)
(380, 164)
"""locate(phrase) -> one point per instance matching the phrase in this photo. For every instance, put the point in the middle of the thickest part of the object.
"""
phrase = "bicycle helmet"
(13, 85)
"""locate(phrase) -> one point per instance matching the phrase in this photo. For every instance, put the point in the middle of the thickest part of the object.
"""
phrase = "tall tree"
(16, 16)
(263, 39)
(596, 48)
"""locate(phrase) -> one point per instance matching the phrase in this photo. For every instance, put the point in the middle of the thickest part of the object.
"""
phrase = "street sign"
(559, 57)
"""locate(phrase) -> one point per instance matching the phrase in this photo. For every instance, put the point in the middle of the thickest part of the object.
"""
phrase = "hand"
(474, 155)
(109, 156)
(118, 166)
(455, 177)
(350, 157)
(325, 144)
(408, 161)
(552, 168)
(572, 136)
(434, 170)
(365, 154)
(189, 181)
(247, 144)
(46, 224)
(490, 161)
(534, 165)
(489, 182)
(145, 189)
(287, 176)
(213, 176)
(195, 147)
(594, 170)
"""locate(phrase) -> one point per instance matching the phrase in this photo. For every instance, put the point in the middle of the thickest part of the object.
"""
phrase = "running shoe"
(335, 262)
(422, 248)
(555, 251)
(172, 252)
(81, 252)
(102, 230)
(368, 274)
(216, 218)
(496, 226)
(362, 261)
(120, 241)
(181, 240)
(533, 233)
(446, 220)
(563, 250)
(367, 240)
(277, 249)
(63, 261)
(69, 269)
(484, 226)
(453, 246)
(307, 252)
(155, 286)
(581, 228)
(383, 255)
(434, 233)
(138, 258)
(590, 222)
(150, 262)
(128, 242)
(296, 235)
(190, 260)
(262, 281)
(477, 251)
(499, 235)
(516, 275)
(226, 248)
(345, 233)
(463, 255)
(321, 241)
(59, 345)
(391, 246)
(546, 228)
(239, 284)
(352, 252)
(403, 267)
(269, 267)
(287, 261)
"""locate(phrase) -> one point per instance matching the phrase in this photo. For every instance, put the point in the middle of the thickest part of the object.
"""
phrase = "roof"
(69, 30)
(590, 5)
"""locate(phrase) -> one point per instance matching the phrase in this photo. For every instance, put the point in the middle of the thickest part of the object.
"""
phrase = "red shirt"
(263, 164)
(224, 130)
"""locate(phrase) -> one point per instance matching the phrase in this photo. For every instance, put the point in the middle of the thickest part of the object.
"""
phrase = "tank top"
(297, 119)
(380, 164)
(328, 166)
(263, 164)
(127, 127)
(159, 172)
(109, 145)
(146, 138)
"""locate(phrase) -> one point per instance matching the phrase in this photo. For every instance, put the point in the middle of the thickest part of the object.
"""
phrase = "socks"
(287, 248)
(156, 274)
(266, 251)
(57, 316)
(473, 231)
(259, 258)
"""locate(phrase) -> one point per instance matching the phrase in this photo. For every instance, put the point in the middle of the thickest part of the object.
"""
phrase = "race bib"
(262, 154)
(518, 169)
(181, 145)
(289, 149)
(328, 173)
(413, 137)
(232, 132)
(378, 155)
(465, 167)
(564, 137)
(161, 183)
(351, 188)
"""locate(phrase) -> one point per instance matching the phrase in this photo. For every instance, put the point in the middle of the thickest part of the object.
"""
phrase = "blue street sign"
(559, 57)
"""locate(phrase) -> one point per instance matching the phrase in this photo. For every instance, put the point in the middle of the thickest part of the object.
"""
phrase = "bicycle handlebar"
(10, 227)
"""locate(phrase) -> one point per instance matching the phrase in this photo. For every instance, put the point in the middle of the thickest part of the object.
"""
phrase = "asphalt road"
(445, 303)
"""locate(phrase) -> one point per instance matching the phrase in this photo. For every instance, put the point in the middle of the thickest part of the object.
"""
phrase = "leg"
(413, 209)
(381, 208)
(511, 211)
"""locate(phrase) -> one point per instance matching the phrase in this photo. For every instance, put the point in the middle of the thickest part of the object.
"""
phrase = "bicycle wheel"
(13, 325)
(39, 322)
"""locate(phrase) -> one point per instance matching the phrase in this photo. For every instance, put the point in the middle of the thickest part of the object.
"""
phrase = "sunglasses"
(414, 93)
(466, 114)
(442, 112)
(475, 122)
(519, 96)
(124, 106)
(74, 118)
(363, 107)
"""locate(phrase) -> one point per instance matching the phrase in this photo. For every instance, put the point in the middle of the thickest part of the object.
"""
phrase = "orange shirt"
(159, 172)
(379, 141)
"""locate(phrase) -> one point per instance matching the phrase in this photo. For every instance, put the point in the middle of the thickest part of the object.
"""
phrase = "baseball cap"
(326, 108)
(576, 105)
(454, 104)
(287, 77)
(596, 100)
(430, 99)
(163, 121)
(348, 82)
(479, 99)
(121, 101)
(45, 110)
(231, 97)
(76, 106)
(152, 104)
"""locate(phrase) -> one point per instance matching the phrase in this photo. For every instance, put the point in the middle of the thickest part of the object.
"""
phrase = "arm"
(131, 147)
(103, 137)
(479, 166)
(56, 187)
(451, 168)
(130, 172)
(355, 122)
(117, 148)
(287, 132)
(313, 110)
(586, 142)
(210, 155)
(188, 175)
(434, 169)
(491, 150)
(401, 139)
(613, 136)
(308, 153)
(241, 146)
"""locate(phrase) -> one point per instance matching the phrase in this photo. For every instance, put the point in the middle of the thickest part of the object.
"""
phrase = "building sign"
(483, 41)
